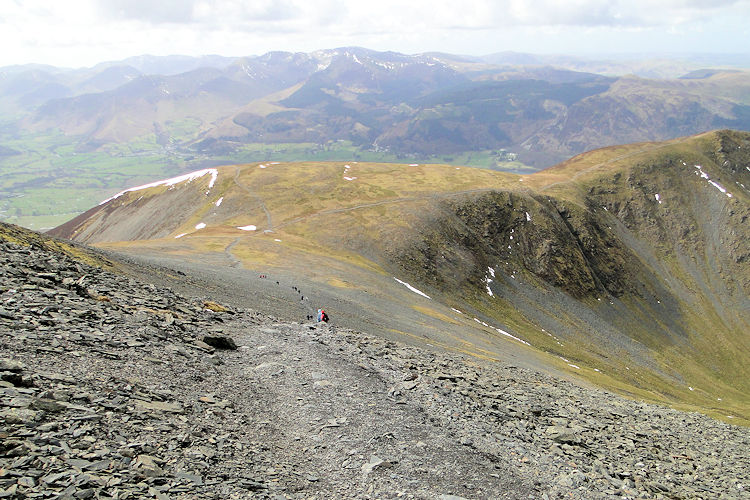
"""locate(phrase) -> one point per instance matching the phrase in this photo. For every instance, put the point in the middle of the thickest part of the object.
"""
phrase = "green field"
(49, 181)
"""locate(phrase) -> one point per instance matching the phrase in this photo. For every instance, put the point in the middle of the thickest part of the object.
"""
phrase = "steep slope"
(627, 266)
(115, 387)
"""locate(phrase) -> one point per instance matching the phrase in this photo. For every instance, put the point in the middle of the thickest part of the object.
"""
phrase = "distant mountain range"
(542, 108)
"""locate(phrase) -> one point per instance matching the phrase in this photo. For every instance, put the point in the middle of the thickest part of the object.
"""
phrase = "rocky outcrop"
(558, 242)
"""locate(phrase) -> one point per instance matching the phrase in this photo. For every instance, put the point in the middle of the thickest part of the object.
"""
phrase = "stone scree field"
(115, 389)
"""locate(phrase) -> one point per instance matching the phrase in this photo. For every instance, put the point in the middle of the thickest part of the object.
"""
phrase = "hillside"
(411, 105)
(113, 387)
(101, 129)
(626, 266)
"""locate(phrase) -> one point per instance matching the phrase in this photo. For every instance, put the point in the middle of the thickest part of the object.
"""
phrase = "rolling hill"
(408, 104)
(98, 130)
(625, 266)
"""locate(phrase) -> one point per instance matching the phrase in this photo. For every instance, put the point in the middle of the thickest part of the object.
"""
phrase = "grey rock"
(220, 342)
(11, 365)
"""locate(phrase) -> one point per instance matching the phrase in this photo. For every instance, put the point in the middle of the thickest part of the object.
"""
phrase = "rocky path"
(113, 388)
(344, 426)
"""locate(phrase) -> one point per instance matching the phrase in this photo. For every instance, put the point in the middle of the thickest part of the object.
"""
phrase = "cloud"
(211, 13)
(78, 32)
(149, 11)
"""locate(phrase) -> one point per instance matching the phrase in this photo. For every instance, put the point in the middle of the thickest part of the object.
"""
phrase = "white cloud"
(82, 32)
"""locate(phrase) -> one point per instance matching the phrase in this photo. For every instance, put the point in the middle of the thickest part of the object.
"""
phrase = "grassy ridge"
(37, 183)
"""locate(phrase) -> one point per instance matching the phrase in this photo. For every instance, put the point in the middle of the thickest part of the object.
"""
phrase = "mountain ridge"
(626, 262)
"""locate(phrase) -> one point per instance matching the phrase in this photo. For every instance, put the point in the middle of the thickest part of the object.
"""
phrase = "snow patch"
(247, 228)
(414, 164)
(180, 235)
(503, 332)
(262, 166)
(528, 217)
(574, 366)
(658, 198)
(407, 285)
(276, 239)
(218, 202)
(718, 186)
(487, 281)
(200, 225)
(349, 178)
(171, 182)
(456, 310)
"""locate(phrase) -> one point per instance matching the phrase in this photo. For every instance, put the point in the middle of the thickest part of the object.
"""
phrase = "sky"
(79, 33)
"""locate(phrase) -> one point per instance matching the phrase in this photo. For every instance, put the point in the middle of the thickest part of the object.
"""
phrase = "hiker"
(322, 316)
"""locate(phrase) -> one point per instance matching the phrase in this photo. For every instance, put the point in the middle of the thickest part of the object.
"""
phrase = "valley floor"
(110, 390)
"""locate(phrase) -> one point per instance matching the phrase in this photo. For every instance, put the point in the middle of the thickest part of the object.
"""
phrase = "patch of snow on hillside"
(456, 310)
(718, 186)
(247, 228)
(487, 281)
(528, 217)
(407, 285)
(349, 178)
(414, 164)
(218, 202)
(658, 198)
(574, 366)
(503, 332)
(275, 163)
(262, 166)
(276, 239)
(180, 235)
(171, 182)
(200, 225)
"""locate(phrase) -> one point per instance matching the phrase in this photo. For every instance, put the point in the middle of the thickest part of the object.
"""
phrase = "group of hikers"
(320, 317)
